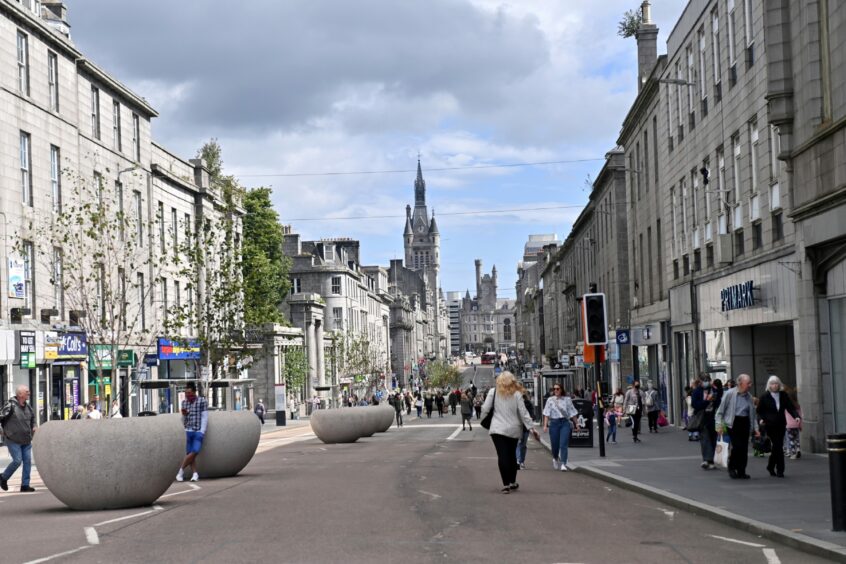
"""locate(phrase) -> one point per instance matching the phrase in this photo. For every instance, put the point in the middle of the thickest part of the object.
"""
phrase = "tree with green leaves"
(629, 24)
(443, 375)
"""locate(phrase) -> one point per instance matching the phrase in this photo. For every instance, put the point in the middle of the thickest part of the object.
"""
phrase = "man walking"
(195, 419)
(18, 420)
(260, 410)
(736, 415)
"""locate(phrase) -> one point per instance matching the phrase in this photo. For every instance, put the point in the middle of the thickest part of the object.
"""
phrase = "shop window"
(738, 243)
(686, 264)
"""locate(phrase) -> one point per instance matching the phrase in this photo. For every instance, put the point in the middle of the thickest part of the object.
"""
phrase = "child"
(611, 419)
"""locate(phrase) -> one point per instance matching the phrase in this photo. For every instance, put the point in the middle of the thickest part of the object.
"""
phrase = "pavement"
(426, 492)
(665, 466)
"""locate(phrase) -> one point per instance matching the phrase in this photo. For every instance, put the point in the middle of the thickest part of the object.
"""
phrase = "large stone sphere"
(337, 425)
(112, 463)
(230, 443)
(386, 417)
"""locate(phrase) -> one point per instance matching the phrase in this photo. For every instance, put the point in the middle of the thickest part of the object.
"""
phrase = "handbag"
(662, 420)
(696, 421)
(486, 422)
(631, 409)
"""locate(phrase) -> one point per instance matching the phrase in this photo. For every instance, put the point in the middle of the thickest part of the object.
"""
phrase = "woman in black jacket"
(771, 408)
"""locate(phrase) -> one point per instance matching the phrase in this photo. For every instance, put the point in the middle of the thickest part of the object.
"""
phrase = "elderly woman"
(509, 419)
(772, 406)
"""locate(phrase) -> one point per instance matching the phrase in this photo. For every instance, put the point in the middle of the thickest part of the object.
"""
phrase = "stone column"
(311, 346)
(321, 364)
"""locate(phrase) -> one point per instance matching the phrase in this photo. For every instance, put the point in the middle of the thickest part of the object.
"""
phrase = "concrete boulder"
(386, 417)
(230, 443)
(109, 464)
(336, 425)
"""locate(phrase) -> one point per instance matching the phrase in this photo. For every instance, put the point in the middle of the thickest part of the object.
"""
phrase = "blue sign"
(174, 350)
(497, 370)
(624, 337)
(73, 346)
(151, 359)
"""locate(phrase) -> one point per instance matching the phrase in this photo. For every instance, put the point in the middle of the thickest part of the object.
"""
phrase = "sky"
(289, 87)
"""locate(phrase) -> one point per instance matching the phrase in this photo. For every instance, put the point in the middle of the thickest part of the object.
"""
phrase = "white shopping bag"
(721, 452)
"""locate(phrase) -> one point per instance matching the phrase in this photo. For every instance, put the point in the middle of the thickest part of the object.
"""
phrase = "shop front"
(650, 355)
(178, 360)
(110, 380)
(66, 374)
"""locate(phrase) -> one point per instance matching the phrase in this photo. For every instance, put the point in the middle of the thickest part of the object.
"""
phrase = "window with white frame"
(163, 294)
(120, 208)
(141, 297)
(690, 77)
(296, 285)
(161, 221)
(116, 131)
(336, 285)
(731, 32)
(703, 91)
(673, 208)
(735, 166)
(747, 22)
(707, 164)
(56, 178)
(95, 112)
(58, 282)
(26, 169)
(338, 318)
(177, 295)
(753, 155)
(694, 184)
(122, 296)
(715, 45)
(679, 96)
(101, 291)
(139, 216)
(775, 149)
(684, 195)
(136, 137)
(23, 63)
(53, 80)
(174, 231)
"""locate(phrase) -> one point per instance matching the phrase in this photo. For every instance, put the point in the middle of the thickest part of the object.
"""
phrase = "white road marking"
(771, 556)
(430, 426)
(454, 433)
(91, 535)
(125, 517)
(434, 495)
(666, 512)
(59, 555)
(194, 487)
(744, 543)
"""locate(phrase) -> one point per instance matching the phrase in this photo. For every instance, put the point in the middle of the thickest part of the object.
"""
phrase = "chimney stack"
(55, 14)
(647, 44)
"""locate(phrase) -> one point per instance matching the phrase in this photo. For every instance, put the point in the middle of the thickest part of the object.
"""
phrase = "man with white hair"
(18, 420)
(736, 416)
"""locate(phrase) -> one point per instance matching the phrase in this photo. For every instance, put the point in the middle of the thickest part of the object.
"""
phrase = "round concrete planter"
(109, 464)
(230, 443)
(336, 425)
(386, 417)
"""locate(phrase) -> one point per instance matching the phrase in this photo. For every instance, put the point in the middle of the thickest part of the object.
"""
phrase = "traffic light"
(596, 332)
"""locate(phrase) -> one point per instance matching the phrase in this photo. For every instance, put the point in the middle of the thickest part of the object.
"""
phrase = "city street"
(428, 492)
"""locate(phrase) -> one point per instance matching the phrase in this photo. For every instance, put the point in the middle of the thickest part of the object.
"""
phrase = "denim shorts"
(194, 442)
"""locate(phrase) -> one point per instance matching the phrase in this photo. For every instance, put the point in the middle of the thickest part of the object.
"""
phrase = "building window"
(23, 63)
(778, 227)
(29, 276)
(691, 78)
(738, 242)
(139, 217)
(116, 131)
(174, 228)
(686, 264)
(697, 260)
(296, 285)
(142, 310)
(753, 154)
(121, 218)
(136, 137)
(95, 112)
(177, 295)
(336, 285)
(703, 86)
(56, 178)
(735, 168)
(338, 318)
(163, 290)
(53, 80)
(161, 220)
(676, 269)
(715, 53)
(58, 282)
(101, 291)
(709, 256)
(732, 42)
(122, 296)
(506, 330)
(26, 169)
(757, 236)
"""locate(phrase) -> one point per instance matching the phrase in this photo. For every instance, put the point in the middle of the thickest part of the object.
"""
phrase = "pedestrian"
(792, 448)
(115, 412)
(195, 420)
(418, 403)
(523, 445)
(559, 418)
(315, 403)
(397, 403)
(93, 412)
(453, 401)
(773, 406)
(97, 405)
(633, 407)
(18, 421)
(466, 411)
(429, 403)
(407, 403)
(736, 416)
(653, 407)
(477, 405)
(439, 403)
(705, 400)
(611, 419)
(692, 434)
(260, 411)
(507, 423)
(618, 400)
(79, 412)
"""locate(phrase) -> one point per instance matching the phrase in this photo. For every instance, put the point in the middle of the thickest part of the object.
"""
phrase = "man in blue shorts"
(195, 419)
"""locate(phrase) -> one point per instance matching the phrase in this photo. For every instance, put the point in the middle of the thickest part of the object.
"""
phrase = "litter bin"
(583, 438)
(836, 445)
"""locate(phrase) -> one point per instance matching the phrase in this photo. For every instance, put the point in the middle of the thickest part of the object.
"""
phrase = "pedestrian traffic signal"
(596, 332)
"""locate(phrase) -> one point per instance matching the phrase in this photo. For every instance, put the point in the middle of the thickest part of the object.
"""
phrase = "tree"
(443, 375)
(296, 368)
(265, 268)
(629, 24)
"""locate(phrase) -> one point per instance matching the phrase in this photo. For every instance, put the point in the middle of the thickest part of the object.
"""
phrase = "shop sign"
(623, 337)
(580, 361)
(126, 358)
(151, 359)
(73, 346)
(26, 340)
(51, 345)
(17, 277)
(739, 296)
(100, 357)
(173, 350)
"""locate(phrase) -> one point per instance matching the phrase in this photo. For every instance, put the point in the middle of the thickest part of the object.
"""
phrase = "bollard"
(836, 445)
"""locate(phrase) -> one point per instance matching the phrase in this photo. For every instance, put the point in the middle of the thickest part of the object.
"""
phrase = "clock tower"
(421, 237)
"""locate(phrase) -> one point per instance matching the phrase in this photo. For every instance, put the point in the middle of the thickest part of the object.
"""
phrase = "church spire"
(419, 187)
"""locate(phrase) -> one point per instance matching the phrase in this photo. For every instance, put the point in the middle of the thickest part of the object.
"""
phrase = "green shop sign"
(102, 355)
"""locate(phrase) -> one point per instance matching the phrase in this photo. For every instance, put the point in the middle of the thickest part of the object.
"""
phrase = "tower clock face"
(420, 229)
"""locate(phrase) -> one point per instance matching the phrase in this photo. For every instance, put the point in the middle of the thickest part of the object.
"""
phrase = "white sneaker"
(195, 477)
(564, 468)
(522, 466)
(555, 464)
(180, 475)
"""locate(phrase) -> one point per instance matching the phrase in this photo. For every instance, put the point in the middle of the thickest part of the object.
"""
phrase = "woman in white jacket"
(509, 419)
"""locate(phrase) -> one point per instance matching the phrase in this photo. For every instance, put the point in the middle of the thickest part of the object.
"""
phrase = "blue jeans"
(522, 446)
(19, 453)
(612, 433)
(559, 438)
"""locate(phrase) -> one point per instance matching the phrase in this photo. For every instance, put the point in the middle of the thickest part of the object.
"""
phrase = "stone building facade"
(487, 324)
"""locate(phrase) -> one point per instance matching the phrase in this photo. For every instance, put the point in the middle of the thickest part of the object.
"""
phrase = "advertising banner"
(17, 277)
(172, 350)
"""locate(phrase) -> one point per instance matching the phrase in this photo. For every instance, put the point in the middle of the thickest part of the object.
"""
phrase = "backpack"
(650, 399)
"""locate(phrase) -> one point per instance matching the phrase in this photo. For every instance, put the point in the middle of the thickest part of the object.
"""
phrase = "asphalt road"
(425, 493)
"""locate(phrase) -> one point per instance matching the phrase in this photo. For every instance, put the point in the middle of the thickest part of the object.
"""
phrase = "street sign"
(623, 337)
(565, 361)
